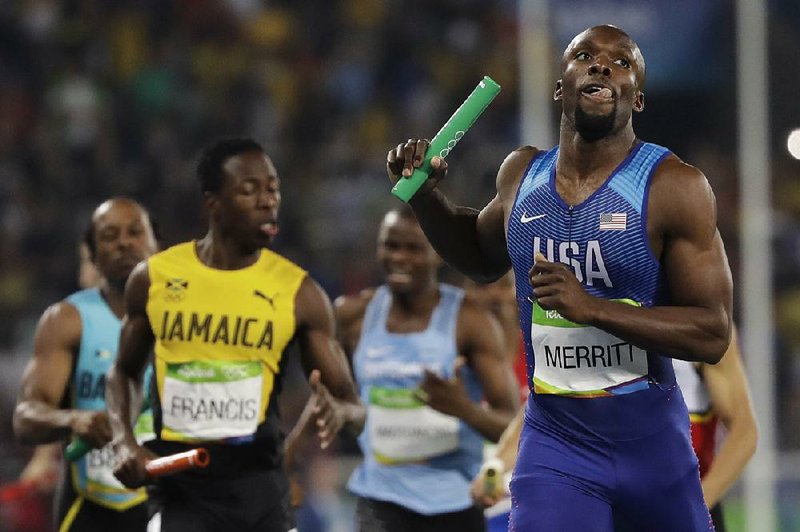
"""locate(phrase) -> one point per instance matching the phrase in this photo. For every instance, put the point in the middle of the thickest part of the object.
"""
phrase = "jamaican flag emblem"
(176, 289)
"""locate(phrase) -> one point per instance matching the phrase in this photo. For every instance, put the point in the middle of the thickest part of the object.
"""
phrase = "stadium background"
(107, 97)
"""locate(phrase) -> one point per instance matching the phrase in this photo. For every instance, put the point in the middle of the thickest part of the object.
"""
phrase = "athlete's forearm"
(355, 417)
(37, 422)
(687, 333)
(453, 232)
(124, 402)
(734, 453)
(489, 422)
(293, 446)
(509, 441)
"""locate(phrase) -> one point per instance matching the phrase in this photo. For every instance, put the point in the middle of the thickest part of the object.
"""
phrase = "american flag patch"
(615, 221)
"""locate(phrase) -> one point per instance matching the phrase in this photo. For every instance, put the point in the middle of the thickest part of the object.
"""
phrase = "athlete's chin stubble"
(591, 127)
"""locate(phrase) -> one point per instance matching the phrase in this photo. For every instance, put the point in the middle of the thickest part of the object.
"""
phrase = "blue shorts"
(498, 523)
(569, 483)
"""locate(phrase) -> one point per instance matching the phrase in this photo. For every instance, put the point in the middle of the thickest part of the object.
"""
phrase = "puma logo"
(262, 295)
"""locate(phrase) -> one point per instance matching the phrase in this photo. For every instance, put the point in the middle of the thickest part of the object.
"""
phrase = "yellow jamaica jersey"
(219, 339)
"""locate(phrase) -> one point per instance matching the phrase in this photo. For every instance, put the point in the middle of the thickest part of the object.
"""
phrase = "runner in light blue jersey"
(619, 266)
(424, 358)
(63, 389)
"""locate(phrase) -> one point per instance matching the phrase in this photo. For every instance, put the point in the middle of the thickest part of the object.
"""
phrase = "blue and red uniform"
(704, 422)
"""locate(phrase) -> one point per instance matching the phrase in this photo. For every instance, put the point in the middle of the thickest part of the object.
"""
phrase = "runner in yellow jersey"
(220, 313)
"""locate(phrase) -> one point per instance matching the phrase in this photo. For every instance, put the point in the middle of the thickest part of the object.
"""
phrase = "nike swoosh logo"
(525, 218)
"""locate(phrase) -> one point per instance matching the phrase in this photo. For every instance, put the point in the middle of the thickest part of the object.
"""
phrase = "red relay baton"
(174, 463)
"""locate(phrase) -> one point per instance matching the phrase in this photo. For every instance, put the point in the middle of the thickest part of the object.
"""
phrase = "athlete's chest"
(95, 358)
(573, 190)
(95, 355)
(384, 356)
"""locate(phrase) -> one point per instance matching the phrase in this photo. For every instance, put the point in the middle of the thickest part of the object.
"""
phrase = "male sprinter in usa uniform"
(63, 389)
(220, 313)
(618, 265)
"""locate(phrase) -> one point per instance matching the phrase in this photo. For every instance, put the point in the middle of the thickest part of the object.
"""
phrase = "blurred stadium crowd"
(109, 97)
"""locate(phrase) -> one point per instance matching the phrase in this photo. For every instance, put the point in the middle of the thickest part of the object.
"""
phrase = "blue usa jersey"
(584, 373)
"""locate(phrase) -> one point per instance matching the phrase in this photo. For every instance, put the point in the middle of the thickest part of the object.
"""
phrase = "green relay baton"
(76, 449)
(143, 431)
(447, 137)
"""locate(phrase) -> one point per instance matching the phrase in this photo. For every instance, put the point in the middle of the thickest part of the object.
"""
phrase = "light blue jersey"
(100, 328)
(414, 456)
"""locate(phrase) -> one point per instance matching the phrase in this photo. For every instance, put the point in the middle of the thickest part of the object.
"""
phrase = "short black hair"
(209, 167)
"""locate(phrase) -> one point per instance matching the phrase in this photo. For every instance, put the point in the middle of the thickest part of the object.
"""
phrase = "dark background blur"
(107, 97)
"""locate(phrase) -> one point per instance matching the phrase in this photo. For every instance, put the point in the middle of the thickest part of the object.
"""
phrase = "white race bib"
(211, 400)
(404, 429)
(93, 477)
(578, 360)
(100, 465)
